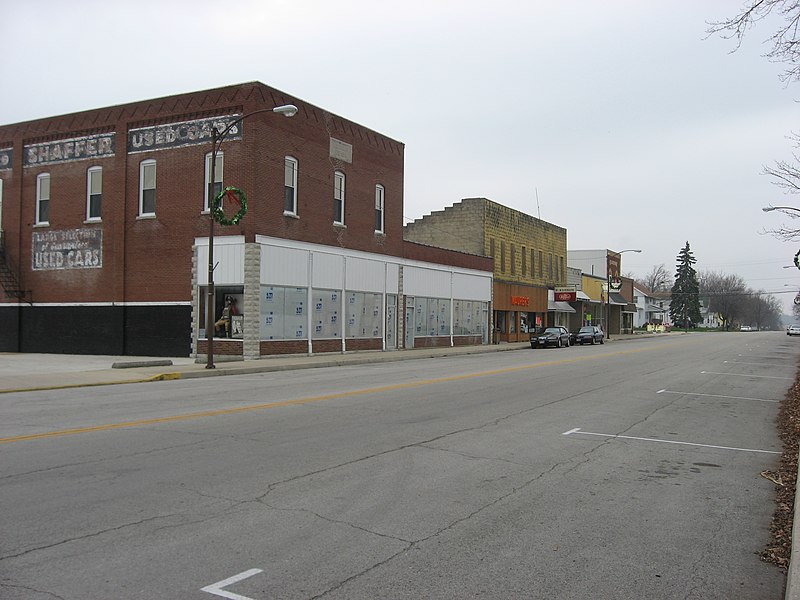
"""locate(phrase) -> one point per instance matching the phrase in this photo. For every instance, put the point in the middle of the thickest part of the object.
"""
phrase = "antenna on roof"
(538, 210)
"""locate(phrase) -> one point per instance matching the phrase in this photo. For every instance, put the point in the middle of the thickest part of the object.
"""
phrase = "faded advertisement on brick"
(67, 249)
(6, 157)
(185, 133)
(79, 148)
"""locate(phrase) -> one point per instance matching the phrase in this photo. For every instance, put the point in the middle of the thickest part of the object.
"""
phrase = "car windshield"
(552, 330)
(586, 330)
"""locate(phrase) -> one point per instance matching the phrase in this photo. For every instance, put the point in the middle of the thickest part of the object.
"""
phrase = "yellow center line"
(307, 400)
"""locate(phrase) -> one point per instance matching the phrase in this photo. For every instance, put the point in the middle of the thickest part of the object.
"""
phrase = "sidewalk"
(30, 372)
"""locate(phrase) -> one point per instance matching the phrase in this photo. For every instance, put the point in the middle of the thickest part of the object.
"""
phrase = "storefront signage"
(67, 249)
(520, 301)
(184, 133)
(100, 145)
(6, 156)
(565, 294)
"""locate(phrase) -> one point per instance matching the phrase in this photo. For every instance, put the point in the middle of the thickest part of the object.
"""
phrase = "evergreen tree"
(684, 309)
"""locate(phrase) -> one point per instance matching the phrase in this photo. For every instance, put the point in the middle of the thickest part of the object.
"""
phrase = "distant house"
(651, 307)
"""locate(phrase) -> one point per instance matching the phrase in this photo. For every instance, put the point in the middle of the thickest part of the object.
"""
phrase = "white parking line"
(715, 396)
(578, 431)
(739, 362)
(216, 588)
(744, 375)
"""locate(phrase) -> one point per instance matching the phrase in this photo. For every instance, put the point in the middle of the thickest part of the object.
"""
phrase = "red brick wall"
(414, 251)
(149, 260)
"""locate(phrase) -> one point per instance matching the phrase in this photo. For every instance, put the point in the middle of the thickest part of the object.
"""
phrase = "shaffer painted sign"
(86, 147)
(67, 249)
(184, 133)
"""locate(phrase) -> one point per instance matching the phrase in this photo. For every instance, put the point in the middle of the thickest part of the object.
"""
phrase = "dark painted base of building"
(113, 330)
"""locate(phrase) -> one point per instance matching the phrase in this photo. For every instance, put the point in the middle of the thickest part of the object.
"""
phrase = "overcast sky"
(616, 120)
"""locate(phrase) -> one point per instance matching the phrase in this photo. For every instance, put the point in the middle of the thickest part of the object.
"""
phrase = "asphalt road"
(627, 470)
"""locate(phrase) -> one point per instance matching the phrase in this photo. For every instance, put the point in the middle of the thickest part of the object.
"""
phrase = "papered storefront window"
(431, 317)
(283, 313)
(326, 314)
(468, 317)
(364, 315)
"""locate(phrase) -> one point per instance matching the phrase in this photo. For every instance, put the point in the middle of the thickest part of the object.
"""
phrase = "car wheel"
(602, 341)
(592, 340)
(558, 343)
(533, 346)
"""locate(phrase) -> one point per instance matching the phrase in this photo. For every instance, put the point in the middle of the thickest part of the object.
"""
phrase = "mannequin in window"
(224, 322)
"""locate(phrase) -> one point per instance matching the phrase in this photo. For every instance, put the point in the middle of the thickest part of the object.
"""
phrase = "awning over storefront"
(583, 296)
(629, 308)
(617, 299)
(554, 306)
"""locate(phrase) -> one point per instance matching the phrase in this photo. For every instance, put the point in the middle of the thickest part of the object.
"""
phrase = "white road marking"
(216, 588)
(644, 439)
(738, 362)
(715, 396)
(744, 375)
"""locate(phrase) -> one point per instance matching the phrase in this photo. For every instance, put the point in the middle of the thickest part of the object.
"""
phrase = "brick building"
(528, 257)
(105, 229)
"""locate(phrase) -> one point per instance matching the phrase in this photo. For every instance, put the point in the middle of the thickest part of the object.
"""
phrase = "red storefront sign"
(565, 296)
(520, 301)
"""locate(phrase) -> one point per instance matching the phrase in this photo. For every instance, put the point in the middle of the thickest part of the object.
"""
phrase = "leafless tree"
(785, 42)
(725, 294)
(786, 175)
(657, 280)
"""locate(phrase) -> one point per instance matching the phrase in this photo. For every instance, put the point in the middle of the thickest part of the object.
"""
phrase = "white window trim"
(337, 176)
(89, 218)
(220, 166)
(142, 166)
(380, 198)
(291, 213)
(39, 198)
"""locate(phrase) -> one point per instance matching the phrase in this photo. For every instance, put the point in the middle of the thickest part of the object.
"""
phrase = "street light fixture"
(781, 208)
(217, 137)
(608, 291)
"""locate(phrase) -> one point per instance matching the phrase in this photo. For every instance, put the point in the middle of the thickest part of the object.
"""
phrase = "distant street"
(629, 470)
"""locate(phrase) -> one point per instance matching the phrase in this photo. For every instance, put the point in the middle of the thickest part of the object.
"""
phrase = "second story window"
(147, 188)
(43, 199)
(379, 197)
(216, 188)
(290, 186)
(94, 193)
(338, 198)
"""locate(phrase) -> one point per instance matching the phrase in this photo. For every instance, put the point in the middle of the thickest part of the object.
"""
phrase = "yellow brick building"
(530, 258)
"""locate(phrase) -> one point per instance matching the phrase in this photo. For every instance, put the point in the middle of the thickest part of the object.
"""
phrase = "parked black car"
(590, 334)
(551, 336)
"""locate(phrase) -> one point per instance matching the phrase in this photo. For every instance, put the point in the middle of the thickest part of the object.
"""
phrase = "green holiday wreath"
(235, 197)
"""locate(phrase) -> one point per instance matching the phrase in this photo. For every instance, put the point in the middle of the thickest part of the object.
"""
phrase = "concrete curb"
(793, 572)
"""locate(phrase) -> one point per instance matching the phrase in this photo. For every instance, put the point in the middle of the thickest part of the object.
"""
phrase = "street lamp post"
(217, 137)
(608, 290)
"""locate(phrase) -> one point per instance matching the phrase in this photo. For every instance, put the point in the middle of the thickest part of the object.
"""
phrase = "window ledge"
(42, 224)
(93, 220)
(340, 225)
(145, 217)
(291, 215)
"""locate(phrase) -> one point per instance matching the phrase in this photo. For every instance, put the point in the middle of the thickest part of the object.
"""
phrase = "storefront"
(518, 310)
